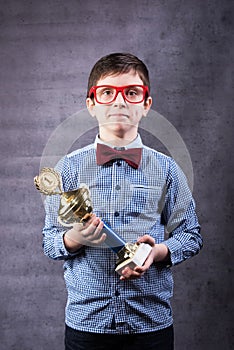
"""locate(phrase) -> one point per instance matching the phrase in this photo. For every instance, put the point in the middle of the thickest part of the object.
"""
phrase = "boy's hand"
(85, 234)
(158, 253)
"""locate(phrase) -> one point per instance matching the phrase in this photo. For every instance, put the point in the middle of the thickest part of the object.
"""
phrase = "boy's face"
(119, 119)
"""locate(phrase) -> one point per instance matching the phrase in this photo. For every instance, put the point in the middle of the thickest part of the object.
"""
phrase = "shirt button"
(117, 293)
(116, 213)
(118, 187)
(118, 163)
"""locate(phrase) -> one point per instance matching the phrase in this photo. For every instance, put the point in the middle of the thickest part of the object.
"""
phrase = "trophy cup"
(76, 206)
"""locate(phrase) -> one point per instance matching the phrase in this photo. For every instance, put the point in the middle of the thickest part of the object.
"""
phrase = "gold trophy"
(76, 206)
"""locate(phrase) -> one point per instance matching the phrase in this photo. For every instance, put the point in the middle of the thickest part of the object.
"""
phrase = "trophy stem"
(113, 240)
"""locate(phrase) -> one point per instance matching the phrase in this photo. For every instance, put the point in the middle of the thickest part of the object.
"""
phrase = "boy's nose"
(119, 98)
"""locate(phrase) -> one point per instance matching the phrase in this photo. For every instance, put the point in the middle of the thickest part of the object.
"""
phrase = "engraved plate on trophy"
(76, 206)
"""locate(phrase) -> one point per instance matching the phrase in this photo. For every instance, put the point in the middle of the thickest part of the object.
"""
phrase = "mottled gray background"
(47, 51)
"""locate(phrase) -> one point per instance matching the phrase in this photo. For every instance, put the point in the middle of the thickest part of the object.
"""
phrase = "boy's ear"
(90, 106)
(147, 106)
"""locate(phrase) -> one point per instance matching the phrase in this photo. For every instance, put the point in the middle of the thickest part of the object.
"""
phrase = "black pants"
(159, 340)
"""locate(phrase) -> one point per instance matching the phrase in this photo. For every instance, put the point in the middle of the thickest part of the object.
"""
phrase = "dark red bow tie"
(105, 154)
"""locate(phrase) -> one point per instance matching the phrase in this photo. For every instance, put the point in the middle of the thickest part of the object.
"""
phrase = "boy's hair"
(117, 63)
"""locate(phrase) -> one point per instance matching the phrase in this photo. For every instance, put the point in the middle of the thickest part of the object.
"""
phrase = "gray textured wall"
(47, 51)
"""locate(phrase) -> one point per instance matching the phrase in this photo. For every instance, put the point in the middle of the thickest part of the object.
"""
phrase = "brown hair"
(117, 63)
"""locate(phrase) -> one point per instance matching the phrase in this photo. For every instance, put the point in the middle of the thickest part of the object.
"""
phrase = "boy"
(140, 199)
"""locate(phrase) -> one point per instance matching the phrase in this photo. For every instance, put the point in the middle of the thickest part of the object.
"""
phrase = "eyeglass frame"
(118, 89)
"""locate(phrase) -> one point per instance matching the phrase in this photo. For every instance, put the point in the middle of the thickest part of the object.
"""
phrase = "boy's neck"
(117, 140)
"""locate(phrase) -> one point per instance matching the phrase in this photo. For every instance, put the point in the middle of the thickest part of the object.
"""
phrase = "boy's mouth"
(118, 115)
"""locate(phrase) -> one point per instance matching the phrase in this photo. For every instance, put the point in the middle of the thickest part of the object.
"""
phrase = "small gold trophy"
(76, 206)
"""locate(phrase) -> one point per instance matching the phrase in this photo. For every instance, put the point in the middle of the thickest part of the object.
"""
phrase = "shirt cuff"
(61, 249)
(175, 249)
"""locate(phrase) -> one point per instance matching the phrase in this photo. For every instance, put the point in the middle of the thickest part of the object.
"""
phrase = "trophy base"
(133, 256)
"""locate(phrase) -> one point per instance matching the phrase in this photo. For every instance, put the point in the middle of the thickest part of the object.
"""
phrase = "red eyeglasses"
(107, 93)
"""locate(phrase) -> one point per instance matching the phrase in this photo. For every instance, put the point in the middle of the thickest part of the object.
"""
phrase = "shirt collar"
(137, 143)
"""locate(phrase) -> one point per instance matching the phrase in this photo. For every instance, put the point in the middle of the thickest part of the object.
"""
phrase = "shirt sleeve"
(180, 218)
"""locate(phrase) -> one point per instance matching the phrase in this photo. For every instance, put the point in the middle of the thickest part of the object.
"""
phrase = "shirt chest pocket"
(146, 198)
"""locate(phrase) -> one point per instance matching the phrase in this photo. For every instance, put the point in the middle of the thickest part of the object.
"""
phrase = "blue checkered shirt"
(153, 199)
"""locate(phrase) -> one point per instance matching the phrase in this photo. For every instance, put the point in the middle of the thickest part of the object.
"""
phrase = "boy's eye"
(132, 91)
(107, 92)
